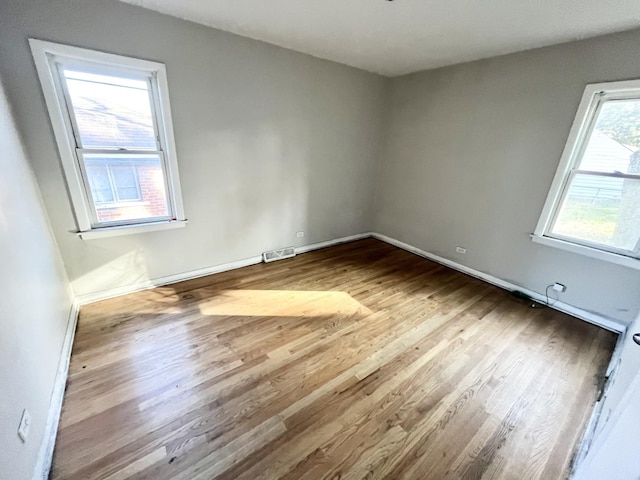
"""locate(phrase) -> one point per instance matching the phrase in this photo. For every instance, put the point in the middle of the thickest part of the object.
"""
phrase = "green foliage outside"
(588, 220)
(620, 120)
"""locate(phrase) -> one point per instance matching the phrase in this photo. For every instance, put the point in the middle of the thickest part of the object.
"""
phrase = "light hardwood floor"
(356, 361)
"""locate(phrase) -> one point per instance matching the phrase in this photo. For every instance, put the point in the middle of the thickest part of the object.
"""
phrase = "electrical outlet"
(461, 250)
(25, 425)
(299, 234)
(558, 287)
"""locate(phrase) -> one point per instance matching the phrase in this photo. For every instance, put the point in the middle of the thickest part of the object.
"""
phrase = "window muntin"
(595, 200)
(112, 121)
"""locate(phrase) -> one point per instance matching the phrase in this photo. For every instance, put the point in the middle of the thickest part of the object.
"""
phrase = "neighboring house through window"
(112, 183)
(112, 122)
(593, 206)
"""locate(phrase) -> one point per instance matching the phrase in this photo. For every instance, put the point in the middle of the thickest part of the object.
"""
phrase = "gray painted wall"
(471, 153)
(34, 305)
(269, 141)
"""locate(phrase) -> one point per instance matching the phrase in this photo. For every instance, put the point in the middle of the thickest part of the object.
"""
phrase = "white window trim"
(105, 232)
(42, 52)
(585, 116)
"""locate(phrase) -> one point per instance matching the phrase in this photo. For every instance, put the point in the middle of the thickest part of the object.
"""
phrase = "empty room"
(382, 239)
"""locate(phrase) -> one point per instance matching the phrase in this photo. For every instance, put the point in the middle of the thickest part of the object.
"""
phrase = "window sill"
(105, 232)
(588, 251)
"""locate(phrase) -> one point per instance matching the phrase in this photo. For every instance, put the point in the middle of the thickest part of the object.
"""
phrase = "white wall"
(614, 453)
(471, 153)
(269, 141)
(626, 370)
(34, 305)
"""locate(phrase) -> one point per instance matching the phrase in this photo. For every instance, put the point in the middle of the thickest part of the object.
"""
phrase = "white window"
(112, 122)
(593, 206)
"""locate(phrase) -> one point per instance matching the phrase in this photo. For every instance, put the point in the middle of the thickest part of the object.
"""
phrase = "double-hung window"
(112, 122)
(593, 206)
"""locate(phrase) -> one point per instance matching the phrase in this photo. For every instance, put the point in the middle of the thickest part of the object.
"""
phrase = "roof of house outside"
(112, 116)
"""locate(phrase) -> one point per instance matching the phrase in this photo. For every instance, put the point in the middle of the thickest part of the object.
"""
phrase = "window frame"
(47, 57)
(594, 96)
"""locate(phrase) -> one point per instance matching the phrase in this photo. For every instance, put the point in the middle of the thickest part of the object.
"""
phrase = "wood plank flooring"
(352, 362)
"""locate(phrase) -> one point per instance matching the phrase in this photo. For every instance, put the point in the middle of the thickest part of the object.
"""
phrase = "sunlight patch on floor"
(282, 303)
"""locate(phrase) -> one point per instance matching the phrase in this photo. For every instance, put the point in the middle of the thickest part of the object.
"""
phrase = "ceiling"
(402, 36)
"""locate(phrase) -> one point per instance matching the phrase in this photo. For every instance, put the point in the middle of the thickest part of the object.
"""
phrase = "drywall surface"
(614, 454)
(402, 37)
(625, 370)
(471, 153)
(270, 142)
(34, 305)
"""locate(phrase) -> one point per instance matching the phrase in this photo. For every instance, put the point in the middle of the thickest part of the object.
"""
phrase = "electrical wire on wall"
(546, 293)
(526, 299)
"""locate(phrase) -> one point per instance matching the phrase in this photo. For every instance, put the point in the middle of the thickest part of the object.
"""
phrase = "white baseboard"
(202, 272)
(166, 280)
(331, 243)
(45, 454)
(599, 320)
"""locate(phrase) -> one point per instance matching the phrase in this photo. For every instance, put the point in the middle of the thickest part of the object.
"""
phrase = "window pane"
(602, 210)
(126, 183)
(615, 139)
(100, 184)
(128, 194)
(139, 181)
(124, 175)
(111, 112)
